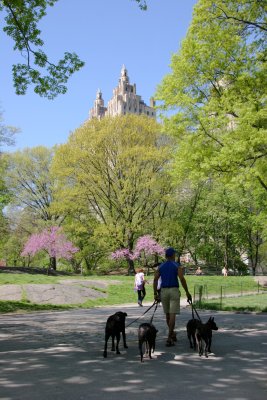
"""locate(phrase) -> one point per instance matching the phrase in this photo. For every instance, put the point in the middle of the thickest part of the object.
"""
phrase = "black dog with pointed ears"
(201, 333)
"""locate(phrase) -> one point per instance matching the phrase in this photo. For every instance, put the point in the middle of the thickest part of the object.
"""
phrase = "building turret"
(124, 101)
(98, 94)
(99, 110)
(124, 74)
(152, 102)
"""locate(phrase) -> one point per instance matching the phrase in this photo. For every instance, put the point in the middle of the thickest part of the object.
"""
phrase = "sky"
(105, 34)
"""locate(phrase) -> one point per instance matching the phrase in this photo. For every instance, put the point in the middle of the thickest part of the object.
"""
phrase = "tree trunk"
(253, 254)
(53, 263)
(131, 270)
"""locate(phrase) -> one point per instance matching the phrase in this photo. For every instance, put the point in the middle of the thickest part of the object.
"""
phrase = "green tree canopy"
(114, 168)
(217, 89)
(29, 180)
(7, 133)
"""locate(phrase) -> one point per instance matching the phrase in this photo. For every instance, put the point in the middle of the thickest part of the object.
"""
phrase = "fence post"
(221, 297)
(198, 290)
(200, 295)
(206, 291)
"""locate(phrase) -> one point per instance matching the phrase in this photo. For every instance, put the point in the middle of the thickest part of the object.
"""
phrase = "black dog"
(191, 332)
(147, 335)
(114, 327)
(201, 332)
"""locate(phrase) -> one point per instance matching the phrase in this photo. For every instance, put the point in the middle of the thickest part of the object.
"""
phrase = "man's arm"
(184, 284)
(155, 283)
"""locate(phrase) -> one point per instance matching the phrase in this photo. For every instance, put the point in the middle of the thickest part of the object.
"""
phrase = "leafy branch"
(142, 4)
(21, 25)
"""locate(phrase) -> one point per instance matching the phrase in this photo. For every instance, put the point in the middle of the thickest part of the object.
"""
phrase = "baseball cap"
(170, 252)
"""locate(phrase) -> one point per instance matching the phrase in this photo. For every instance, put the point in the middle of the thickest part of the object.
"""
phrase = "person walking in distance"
(139, 285)
(169, 272)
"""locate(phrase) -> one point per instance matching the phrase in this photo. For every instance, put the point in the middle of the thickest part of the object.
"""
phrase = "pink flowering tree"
(53, 241)
(124, 254)
(121, 254)
(146, 248)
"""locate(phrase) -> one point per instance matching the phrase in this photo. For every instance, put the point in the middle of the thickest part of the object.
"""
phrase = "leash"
(151, 320)
(194, 310)
(155, 303)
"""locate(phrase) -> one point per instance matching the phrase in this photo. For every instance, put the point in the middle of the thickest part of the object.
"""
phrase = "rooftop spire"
(124, 74)
(123, 70)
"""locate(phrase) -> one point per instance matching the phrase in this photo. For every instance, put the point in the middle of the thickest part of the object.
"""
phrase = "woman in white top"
(139, 285)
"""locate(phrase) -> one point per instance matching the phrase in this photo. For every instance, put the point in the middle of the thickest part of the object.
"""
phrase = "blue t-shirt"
(168, 272)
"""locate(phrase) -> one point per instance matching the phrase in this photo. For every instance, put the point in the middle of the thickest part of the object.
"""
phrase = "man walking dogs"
(169, 272)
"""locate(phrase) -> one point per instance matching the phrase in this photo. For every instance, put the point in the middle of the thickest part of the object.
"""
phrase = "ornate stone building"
(124, 101)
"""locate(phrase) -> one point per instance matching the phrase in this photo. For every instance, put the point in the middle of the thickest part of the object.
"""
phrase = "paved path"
(58, 356)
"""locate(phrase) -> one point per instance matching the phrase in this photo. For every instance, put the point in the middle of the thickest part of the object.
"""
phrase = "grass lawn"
(123, 293)
(255, 302)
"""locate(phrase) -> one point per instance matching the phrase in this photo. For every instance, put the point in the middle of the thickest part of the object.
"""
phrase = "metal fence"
(221, 292)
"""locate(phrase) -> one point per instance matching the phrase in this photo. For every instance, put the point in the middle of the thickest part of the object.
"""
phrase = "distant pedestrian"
(224, 271)
(199, 271)
(139, 286)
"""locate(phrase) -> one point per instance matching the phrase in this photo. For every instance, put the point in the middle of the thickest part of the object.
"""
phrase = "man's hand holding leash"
(157, 298)
(189, 298)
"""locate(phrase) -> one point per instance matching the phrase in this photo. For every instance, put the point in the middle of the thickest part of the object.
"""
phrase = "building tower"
(124, 101)
(99, 110)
